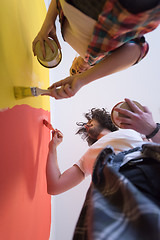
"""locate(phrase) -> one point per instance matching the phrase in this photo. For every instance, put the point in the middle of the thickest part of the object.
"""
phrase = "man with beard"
(123, 200)
(99, 132)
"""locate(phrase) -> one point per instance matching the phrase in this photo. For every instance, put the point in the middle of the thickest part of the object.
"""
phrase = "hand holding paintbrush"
(23, 92)
(49, 126)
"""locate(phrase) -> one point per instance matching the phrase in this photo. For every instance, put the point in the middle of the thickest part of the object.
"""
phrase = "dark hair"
(102, 116)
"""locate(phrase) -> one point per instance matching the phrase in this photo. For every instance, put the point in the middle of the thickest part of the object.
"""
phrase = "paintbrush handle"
(40, 91)
(48, 125)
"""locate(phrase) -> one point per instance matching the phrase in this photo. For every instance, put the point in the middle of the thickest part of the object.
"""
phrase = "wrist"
(47, 26)
(52, 149)
(85, 77)
(80, 80)
(154, 132)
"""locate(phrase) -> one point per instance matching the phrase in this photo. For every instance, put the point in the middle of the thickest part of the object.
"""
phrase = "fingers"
(57, 138)
(33, 46)
(125, 123)
(54, 36)
(124, 120)
(42, 46)
(57, 133)
(146, 110)
(57, 84)
(126, 126)
(58, 93)
(62, 89)
(126, 112)
(63, 92)
(43, 49)
(134, 109)
(68, 90)
(133, 106)
(53, 133)
(48, 41)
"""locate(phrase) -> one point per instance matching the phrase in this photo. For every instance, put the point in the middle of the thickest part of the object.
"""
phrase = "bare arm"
(140, 121)
(120, 59)
(48, 29)
(56, 182)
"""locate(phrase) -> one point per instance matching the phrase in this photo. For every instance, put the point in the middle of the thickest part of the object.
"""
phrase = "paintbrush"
(48, 125)
(23, 92)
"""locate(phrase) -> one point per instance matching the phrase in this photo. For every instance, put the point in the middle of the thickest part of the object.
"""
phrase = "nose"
(86, 126)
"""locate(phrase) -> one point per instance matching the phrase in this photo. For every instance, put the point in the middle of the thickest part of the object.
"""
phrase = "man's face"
(93, 129)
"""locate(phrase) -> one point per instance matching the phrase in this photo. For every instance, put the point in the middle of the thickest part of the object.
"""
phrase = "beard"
(91, 136)
(93, 133)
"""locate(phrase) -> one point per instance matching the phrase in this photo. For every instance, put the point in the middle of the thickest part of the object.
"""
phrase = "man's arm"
(56, 182)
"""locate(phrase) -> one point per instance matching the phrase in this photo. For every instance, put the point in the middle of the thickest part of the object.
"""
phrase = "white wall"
(141, 82)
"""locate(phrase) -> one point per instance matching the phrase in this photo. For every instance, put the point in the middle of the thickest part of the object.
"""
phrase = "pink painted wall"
(24, 202)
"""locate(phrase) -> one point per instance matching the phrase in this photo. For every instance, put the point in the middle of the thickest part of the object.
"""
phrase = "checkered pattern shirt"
(115, 27)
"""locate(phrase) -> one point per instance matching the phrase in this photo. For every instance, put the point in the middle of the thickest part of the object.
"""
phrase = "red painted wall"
(24, 202)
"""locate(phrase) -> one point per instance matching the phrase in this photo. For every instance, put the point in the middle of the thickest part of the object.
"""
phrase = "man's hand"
(138, 120)
(57, 138)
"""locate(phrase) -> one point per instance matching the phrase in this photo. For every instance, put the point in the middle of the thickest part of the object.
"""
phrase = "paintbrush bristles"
(22, 92)
(47, 124)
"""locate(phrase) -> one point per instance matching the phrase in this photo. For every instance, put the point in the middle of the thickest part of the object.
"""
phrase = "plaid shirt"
(116, 26)
(114, 208)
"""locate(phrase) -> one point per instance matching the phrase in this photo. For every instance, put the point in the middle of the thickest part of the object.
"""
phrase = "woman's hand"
(46, 31)
(57, 138)
(67, 87)
(79, 66)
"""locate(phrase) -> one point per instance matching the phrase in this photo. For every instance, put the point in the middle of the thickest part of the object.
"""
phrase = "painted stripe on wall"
(24, 203)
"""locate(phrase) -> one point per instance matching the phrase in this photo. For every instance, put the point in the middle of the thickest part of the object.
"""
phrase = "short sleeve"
(144, 47)
(87, 161)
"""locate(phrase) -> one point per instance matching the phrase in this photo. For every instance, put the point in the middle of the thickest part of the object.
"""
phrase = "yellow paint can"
(52, 59)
